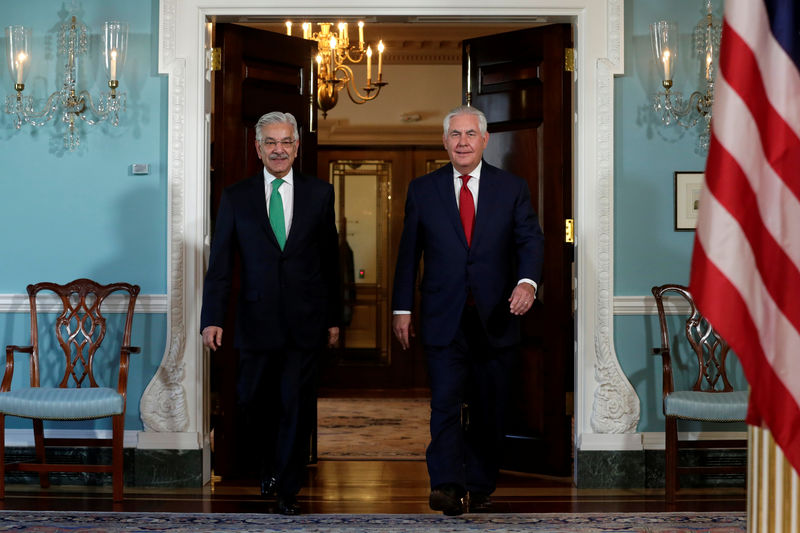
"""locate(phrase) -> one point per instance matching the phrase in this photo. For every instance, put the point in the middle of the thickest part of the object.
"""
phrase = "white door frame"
(174, 405)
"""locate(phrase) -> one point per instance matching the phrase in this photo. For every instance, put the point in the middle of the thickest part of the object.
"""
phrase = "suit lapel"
(446, 189)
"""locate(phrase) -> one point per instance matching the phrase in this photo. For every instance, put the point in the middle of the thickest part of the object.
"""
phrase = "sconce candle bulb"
(669, 104)
(68, 102)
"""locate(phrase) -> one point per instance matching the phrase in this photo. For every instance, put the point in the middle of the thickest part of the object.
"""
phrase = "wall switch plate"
(140, 168)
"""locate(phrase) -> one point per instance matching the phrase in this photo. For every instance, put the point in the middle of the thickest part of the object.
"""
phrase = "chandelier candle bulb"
(360, 34)
(289, 28)
(369, 66)
(306, 29)
(380, 59)
(667, 65)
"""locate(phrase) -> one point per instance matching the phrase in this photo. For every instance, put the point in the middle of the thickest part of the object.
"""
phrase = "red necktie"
(466, 208)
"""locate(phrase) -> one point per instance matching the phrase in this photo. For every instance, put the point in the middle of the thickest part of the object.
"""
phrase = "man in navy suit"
(479, 237)
(282, 225)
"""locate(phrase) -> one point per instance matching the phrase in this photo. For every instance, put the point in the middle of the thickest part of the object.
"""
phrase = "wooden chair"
(80, 329)
(711, 396)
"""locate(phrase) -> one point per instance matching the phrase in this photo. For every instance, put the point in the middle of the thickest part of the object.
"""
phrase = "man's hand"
(333, 336)
(521, 298)
(212, 337)
(403, 330)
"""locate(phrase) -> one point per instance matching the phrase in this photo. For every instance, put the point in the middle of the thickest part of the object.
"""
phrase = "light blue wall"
(647, 249)
(66, 215)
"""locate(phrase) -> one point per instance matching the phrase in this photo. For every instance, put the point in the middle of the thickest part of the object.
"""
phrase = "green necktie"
(276, 213)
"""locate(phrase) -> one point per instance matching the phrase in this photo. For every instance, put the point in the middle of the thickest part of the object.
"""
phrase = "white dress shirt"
(287, 195)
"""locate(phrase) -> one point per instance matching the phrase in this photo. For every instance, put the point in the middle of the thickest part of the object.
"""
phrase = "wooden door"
(518, 79)
(261, 72)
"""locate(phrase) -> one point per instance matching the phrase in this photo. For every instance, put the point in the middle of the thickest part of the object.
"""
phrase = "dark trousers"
(276, 394)
(468, 371)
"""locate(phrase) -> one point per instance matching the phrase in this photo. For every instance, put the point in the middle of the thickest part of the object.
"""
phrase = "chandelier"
(67, 102)
(670, 105)
(333, 73)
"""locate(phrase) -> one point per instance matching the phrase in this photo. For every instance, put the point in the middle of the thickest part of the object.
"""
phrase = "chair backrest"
(80, 327)
(708, 346)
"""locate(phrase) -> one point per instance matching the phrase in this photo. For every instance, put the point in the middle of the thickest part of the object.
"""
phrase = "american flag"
(746, 264)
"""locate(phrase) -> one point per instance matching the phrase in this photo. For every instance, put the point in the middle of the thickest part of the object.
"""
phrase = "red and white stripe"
(746, 263)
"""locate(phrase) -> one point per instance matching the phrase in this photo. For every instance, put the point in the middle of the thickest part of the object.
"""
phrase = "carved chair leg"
(38, 439)
(118, 430)
(671, 460)
(2, 456)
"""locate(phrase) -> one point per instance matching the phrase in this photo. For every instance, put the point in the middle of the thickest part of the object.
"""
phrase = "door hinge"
(214, 59)
(569, 233)
(569, 59)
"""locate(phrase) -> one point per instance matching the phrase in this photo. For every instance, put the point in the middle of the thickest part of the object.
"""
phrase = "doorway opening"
(398, 144)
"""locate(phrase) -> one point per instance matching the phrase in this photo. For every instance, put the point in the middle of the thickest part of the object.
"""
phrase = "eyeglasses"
(271, 144)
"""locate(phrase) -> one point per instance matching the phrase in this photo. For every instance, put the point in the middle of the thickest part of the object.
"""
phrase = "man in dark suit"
(479, 237)
(282, 225)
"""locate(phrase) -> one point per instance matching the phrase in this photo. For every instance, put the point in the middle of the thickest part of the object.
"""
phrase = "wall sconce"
(67, 102)
(670, 105)
(334, 50)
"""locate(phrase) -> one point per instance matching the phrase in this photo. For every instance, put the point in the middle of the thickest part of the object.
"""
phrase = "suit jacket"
(290, 294)
(507, 245)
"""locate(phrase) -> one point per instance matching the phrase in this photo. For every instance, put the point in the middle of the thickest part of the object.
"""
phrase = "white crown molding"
(605, 401)
(115, 303)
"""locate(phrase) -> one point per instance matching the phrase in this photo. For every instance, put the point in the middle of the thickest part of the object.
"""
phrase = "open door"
(519, 80)
(260, 72)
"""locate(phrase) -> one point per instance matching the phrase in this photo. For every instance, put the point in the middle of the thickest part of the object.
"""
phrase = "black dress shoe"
(269, 487)
(480, 502)
(287, 505)
(447, 498)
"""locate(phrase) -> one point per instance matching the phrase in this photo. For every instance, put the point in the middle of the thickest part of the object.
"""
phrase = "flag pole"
(773, 487)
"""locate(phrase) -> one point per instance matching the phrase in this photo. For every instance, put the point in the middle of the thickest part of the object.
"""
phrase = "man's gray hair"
(276, 117)
(466, 110)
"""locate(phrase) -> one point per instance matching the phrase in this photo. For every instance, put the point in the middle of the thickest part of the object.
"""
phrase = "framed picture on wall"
(687, 199)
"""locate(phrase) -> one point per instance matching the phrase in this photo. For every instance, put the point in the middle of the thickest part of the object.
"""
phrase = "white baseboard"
(151, 440)
(656, 440)
(143, 440)
(24, 437)
(653, 440)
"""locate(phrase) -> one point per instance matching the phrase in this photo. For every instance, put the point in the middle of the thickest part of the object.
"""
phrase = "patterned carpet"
(395, 428)
(63, 522)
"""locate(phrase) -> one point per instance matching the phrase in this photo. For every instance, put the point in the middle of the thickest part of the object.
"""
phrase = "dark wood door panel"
(518, 80)
(261, 72)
